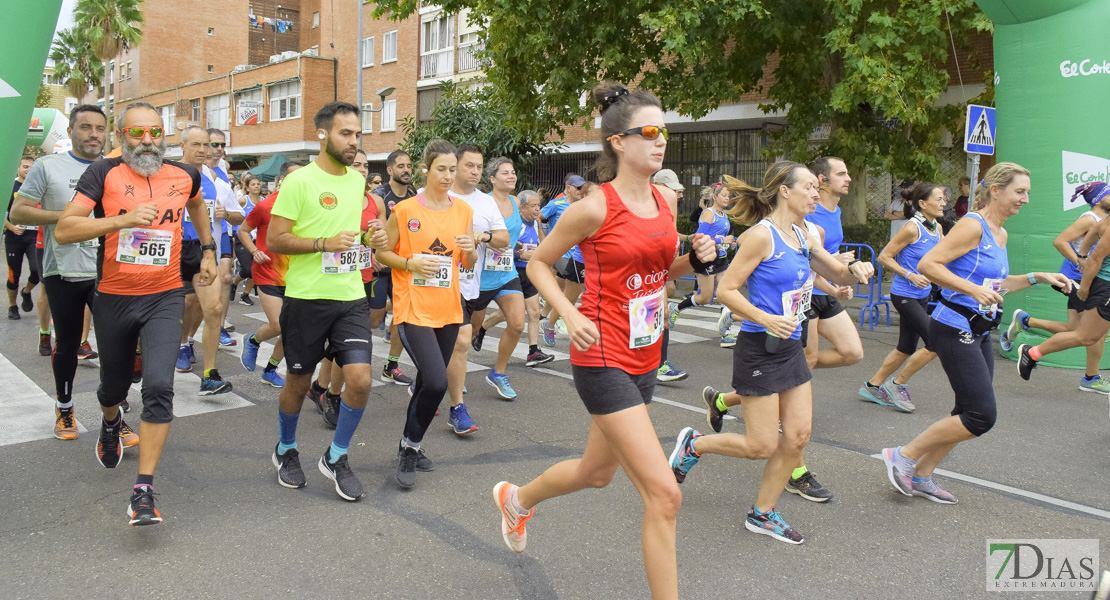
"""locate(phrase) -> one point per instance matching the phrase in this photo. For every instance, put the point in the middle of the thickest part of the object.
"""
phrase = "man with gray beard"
(134, 206)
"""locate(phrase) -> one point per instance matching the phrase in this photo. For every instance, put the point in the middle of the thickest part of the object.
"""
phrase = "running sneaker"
(250, 354)
(459, 420)
(228, 325)
(724, 322)
(546, 333)
(683, 458)
(899, 470)
(929, 489)
(500, 383)
(512, 524)
(210, 386)
(245, 300)
(412, 390)
(108, 449)
(85, 351)
(1019, 323)
(226, 339)
(46, 347)
(406, 467)
(288, 467)
(809, 488)
(899, 394)
(1098, 384)
(125, 406)
(878, 395)
(728, 341)
(137, 371)
(28, 304)
(771, 523)
(317, 399)
(714, 415)
(273, 378)
(13, 313)
(347, 485)
(192, 354)
(423, 463)
(672, 314)
(65, 426)
(560, 326)
(476, 339)
(141, 511)
(331, 410)
(1025, 363)
(183, 364)
(395, 376)
(538, 357)
(127, 436)
(667, 372)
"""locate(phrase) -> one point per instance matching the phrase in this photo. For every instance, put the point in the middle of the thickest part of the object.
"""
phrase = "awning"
(269, 170)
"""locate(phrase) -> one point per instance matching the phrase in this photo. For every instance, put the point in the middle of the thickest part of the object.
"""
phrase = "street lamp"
(382, 93)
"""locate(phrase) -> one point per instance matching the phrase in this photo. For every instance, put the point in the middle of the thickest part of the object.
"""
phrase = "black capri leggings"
(968, 361)
(246, 259)
(18, 246)
(68, 300)
(431, 350)
(913, 322)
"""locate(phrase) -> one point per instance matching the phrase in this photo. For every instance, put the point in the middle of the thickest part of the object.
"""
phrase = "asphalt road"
(232, 532)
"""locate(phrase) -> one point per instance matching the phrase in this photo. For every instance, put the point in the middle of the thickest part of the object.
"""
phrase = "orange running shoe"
(65, 427)
(127, 435)
(512, 524)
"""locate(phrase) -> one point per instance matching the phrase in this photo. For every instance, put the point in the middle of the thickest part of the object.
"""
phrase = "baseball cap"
(1092, 192)
(668, 178)
(576, 181)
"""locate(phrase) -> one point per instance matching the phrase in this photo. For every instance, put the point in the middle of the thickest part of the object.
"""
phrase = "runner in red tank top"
(626, 232)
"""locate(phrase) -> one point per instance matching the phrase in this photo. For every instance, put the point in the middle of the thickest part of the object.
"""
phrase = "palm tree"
(75, 63)
(110, 26)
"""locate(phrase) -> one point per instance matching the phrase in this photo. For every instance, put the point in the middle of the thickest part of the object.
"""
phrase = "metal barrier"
(874, 295)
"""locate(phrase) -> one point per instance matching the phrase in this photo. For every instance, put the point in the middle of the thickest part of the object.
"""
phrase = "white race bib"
(144, 247)
(498, 261)
(645, 319)
(93, 243)
(795, 303)
(466, 274)
(30, 228)
(365, 257)
(332, 263)
(211, 213)
(442, 277)
(996, 286)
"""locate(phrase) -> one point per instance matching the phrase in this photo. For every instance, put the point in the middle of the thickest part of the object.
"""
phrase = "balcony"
(437, 64)
(469, 59)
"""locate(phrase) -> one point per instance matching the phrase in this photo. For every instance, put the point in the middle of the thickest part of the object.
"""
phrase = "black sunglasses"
(649, 132)
(217, 144)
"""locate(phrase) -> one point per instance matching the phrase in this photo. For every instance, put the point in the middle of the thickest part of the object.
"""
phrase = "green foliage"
(74, 61)
(45, 97)
(110, 25)
(872, 69)
(466, 116)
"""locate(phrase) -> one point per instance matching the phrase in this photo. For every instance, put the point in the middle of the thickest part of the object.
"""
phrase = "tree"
(75, 63)
(465, 115)
(45, 97)
(110, 26)
(872, 69)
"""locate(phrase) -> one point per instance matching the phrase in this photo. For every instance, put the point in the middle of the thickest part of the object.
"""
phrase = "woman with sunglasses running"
(626, 231)
(715, 224)
(769, 365)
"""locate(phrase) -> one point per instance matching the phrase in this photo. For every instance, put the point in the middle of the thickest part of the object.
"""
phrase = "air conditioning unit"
(275, 58)
(288, 54)
(311, 52)
(239, 68)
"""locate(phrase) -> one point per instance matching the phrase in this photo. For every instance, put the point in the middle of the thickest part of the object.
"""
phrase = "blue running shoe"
(672, 314)
(1019, 323)
(192, 354)
(547, 333)
(184, 363)
(210, 386)
(500, 383)
(226, 339)
(273, 378)
(683, 458)
(459, 420)
(250, 355)
(729, 341)
(771, 523)
(669, 372)
(878, 395)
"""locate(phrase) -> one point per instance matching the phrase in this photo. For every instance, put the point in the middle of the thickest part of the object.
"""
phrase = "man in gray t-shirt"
(69, 270)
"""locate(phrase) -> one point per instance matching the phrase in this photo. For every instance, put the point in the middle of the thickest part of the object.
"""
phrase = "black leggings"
(68, 300)
(246, 259)
(430, 350)
(18, 246)
(968, 361)
(913, 323)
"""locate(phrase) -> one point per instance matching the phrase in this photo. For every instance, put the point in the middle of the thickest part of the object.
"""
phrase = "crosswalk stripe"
(28, 415)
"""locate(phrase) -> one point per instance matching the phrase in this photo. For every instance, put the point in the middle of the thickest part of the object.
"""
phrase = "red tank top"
(627, 261)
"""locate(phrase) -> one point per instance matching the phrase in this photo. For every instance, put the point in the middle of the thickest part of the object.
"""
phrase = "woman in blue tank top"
(770, 374)
(910, 295)
(716, 225)
(972, 269)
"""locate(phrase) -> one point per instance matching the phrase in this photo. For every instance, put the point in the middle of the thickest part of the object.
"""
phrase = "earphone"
(423, 170)
(321, 135)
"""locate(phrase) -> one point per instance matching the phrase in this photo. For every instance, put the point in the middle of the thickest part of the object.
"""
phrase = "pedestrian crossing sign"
(979, 130)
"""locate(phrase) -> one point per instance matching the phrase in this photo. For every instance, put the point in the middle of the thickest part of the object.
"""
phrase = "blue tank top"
(529, 234)
(834, 231)
(492, 277)
(783, 275)
(1068, 268)
(986, 265)
(908, 259)
(552, 212)
(718, 230)
(208, 190)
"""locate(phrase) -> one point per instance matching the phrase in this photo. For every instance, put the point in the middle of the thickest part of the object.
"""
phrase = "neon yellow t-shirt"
(321, 206)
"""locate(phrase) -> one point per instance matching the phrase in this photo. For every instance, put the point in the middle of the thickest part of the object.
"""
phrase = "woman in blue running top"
(769, 366)
(972, 269)
(715, 224)
(910, 295)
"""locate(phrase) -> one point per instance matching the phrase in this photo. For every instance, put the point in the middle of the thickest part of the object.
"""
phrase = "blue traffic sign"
(979, 130)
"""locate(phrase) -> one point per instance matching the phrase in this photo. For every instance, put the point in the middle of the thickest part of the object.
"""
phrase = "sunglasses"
(648, 132)
(217, 144)
(139, 132)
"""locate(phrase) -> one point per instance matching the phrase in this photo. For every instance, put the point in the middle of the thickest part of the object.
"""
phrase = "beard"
(338, 155)
(402, 178)
(89, 150)
(144, 159)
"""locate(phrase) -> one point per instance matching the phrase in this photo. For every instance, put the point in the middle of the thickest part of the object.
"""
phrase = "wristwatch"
(209, 246)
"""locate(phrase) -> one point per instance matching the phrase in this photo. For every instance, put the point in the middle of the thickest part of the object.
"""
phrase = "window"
(211, 31)
(248, 107)
(426, 102)
(129, 69)
(122, 72)
(315, 19)
(211, 69)
(167, 118)
(217, 110)
(285, 100)
(389, 46)
(437, 50)
(368, 51)
(195, 109)
(111, 72)
(367, 118)
(389, 115)
(71, 103)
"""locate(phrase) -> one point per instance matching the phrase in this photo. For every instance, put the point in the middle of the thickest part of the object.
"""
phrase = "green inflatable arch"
(1052, 82)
